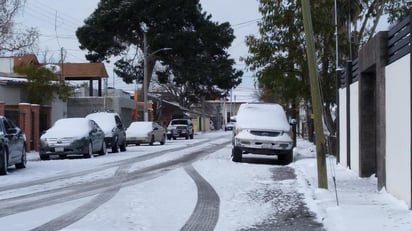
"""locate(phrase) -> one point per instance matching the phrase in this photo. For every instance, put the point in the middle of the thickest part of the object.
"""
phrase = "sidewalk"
(361, 206)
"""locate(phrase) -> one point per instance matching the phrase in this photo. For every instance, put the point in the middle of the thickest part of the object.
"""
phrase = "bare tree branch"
(12, 39)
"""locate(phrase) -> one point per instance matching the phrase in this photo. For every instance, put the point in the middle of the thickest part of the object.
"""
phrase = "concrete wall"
(372, 61)
(81, 106)
(398, 129)
(6, 64)
(58, 110)
(342, 127)
(354, 125)
(10, 95)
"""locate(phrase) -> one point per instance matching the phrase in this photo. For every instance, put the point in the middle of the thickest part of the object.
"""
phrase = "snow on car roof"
(105, 120)
(68, 127)
(139, 129)
(140, 125)
(262, 116)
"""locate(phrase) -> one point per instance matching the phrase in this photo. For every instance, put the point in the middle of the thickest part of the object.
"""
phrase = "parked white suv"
(262, 128)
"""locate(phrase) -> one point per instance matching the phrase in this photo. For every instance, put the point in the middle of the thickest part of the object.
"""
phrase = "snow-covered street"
(166, 198)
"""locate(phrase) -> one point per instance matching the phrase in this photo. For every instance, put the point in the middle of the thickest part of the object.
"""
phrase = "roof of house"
(71, 71)
(82, 71)
(24, 60)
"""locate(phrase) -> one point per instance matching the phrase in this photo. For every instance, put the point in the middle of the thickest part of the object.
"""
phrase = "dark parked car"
(72, 136)
(145, 133)
(180, 128)
(12, 146)
(115, 132)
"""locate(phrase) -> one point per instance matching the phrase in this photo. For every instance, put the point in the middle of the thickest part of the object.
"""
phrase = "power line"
(246, 22)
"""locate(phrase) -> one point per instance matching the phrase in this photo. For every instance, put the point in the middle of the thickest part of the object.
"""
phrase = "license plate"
(267, 146)
(58, 149)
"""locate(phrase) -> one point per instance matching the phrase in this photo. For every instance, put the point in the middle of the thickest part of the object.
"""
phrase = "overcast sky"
(57, 22)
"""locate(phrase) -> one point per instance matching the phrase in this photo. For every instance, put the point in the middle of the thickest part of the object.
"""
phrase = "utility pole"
(145, 81)
(315, 94)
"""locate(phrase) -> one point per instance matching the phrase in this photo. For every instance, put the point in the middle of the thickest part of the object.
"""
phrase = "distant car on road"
(262, 128)
(72, 136)
(229, 126)
(115, 132)
(145, 133)
(180, 128)
(12, 146)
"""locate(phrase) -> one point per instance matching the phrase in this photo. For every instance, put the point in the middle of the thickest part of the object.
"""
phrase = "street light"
(145, 74)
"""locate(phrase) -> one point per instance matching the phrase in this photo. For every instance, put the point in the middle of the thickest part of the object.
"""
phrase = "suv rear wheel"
(23, 162)
(123, 146)
(115, 145)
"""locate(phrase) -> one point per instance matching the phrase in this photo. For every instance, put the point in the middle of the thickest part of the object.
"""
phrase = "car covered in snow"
(262, 128)
(72, 136)
(114, 131)
(141, 132)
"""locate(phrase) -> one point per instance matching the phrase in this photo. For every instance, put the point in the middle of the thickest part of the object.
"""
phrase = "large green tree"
(278, 53)
(198, 60)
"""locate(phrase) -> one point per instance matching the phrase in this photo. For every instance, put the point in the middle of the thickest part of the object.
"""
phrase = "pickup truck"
(180, 128)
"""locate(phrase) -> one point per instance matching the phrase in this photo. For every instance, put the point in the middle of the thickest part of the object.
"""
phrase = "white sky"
(146, 206)
(57, 22)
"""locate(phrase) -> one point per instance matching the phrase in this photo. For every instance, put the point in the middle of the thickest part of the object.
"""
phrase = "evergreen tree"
(278, 55)
(198, 60)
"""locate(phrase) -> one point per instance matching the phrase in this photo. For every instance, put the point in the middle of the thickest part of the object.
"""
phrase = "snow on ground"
(166, 202)
(361, 206)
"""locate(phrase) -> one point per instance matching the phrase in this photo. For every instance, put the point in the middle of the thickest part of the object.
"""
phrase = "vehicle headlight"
(79, 140)
(43, 142)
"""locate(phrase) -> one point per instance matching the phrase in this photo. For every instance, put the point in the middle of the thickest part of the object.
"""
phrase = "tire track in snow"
(209, 198)
(81, 211)
(206, 212)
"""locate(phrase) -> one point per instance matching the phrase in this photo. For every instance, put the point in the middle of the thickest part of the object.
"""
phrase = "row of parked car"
(87, 136)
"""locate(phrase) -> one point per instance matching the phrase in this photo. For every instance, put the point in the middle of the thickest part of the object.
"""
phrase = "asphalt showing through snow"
(290, 212)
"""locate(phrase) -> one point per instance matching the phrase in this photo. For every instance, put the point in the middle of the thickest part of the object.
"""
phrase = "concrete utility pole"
(145, 81)
(315, 93)
(146, 73)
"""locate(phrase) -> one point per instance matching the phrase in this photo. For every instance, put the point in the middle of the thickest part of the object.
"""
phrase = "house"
(375, 111)
(13, 100)
(35, 118)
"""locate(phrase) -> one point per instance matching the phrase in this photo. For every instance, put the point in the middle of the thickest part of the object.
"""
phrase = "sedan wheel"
(163, 141)
(152, 141)
(44, 157)
(90, 151)
(23, 162)
(3, 162)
